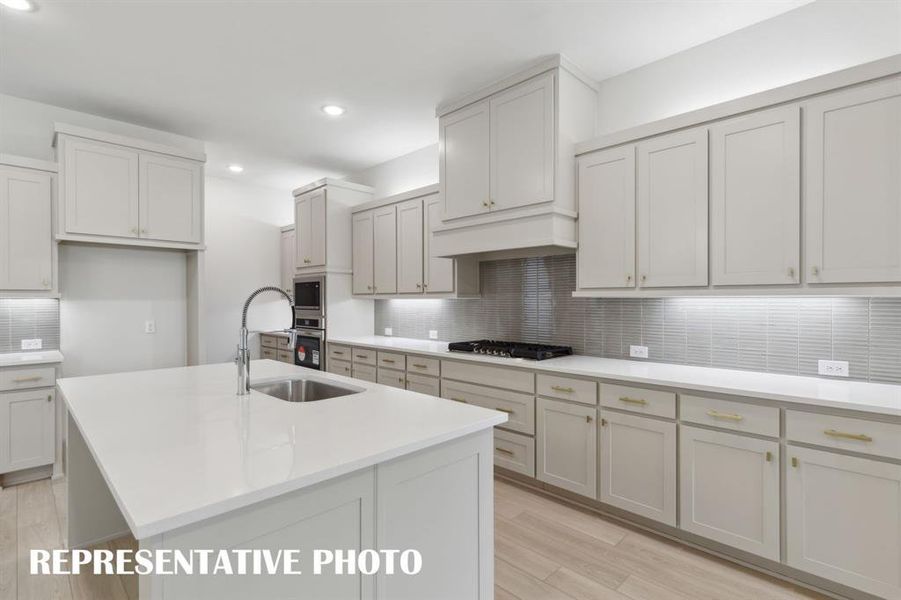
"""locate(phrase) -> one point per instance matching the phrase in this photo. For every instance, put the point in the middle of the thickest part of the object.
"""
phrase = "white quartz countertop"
(19, 359)
(879, 398)
(177, 446)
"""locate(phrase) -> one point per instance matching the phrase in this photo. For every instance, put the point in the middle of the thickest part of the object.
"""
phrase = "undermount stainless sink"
(302, 390)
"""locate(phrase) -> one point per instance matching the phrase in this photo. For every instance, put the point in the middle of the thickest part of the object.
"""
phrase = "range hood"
(534, 231)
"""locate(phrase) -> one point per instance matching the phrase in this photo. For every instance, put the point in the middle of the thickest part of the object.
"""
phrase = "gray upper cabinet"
(464, 164)
(26, 245)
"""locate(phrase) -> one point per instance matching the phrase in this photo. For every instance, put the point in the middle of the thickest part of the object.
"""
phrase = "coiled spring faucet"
(243, 358)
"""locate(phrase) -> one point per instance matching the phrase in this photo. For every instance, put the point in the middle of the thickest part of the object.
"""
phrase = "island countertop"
(176, 446)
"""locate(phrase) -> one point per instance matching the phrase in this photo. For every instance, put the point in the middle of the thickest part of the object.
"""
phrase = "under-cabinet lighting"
(333, 110)
(18, 4)
(235, 168)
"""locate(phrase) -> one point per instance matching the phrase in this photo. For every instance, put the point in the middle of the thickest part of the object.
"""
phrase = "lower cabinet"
(340, 367)
(391, 377)
(567, 446)
(423, 384)
(843, 519)
(27, 429)
(365, 372)
(638, 465)
(730, 489)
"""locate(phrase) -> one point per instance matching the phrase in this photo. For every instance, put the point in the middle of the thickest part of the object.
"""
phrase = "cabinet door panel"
(755, 198)
(522, 144)
(730, 489)
(317, 229)
(843, 519)
(606, 254)
(409, 247)
(170, 198)
(384, 225)
(101, 188)
(362, 253)
(26, 261)
(638, 465)
(463, 164)
(287, 256)
(567, 446)
(27, 426)
(303, 231)
(439, 272)
(672, 210)
(853, 185)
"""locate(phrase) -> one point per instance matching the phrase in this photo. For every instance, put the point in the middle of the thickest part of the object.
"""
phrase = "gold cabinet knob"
(134, 230)
(644, 278)
(419, 286)
(588, 418)
(628, 277)
(485, 204)
(144, 230)
(815, 271)
(791, 272)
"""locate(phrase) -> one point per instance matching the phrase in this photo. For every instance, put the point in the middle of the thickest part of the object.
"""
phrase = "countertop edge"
(24, 359)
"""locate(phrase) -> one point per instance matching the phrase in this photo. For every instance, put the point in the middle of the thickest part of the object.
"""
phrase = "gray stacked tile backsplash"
(530, 300)
(28, 318)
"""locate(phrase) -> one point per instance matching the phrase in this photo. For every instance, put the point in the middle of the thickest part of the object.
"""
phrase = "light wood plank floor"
(544, 550)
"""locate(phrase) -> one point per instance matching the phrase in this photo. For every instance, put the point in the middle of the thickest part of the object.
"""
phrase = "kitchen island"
(175, 457)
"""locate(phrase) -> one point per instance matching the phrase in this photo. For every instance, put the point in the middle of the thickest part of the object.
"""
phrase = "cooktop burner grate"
(511, 349)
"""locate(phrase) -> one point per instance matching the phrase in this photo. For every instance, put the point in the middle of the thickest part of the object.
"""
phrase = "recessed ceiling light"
(18, 4)
(333, 110)
(235, 168)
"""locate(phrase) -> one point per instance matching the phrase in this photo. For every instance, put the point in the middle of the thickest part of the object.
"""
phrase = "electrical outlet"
(638, 351)
(833, 368)
(149, 326)
(433, 334)
(389, 331)
(33, 344)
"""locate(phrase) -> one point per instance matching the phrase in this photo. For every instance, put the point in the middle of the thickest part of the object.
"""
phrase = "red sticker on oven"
(301, 353)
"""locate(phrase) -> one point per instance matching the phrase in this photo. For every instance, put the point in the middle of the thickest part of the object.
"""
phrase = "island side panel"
(441, 502)
(94, 516)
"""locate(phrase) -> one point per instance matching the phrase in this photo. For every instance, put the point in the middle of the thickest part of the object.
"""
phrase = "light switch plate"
(638, 351)
(32, 344)
(433, 334)
(833, 368)
(389, 331)
(149, 326)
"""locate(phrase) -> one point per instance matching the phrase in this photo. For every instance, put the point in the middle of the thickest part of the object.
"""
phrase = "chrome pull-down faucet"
(243, 358)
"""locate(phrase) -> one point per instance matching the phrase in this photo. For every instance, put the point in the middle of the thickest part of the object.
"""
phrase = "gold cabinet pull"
(27, 379)
(815, 271)
(360, 355)
(388, 360)
(769, 457)
(402, 380)
(485, 204)
(603, 422)
(338, 352)
(628, 400)
(791, 272)
(505, 410)
(420, 366)
(719, 415)
(794, 461)
(860, 437)
(504, 451)
(460, 400)
(560, 388)
(49, 398)
(589, 418)
(418, 286)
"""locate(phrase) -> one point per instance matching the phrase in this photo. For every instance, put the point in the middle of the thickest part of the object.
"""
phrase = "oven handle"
(319, 334)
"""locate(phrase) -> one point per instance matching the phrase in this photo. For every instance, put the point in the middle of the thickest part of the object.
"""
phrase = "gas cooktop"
(511, 349)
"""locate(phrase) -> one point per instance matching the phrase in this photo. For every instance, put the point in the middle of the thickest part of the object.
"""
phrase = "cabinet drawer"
(339, 367)
(392, 360)
(268, 341)
(520, 408)
(365, 372)
(515, 452)
(845, 433)
(566, 388)
(426, 366)
(286, 356)
(21, 379)
(283, 342)
(391, 377)
(511, 379)
(364, 356)
(640, 400)
(423, 384)
(270, 353)
(339, 352)
(728, 414)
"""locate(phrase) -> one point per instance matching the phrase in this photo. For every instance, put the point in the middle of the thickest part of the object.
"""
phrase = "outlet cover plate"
(32, 344)
(638, 351)
(433, 334)
(149, 326)
(389, 331)
(833, 368)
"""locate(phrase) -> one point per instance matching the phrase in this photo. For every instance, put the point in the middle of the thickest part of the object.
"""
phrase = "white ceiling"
(250, 76)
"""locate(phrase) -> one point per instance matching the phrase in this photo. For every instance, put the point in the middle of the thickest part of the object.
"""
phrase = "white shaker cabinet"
(384, 242)
(170, 198)
(409, 247)
(26, 245)
(27, 429)
(567, 446)
(843, 519)
(522, 144)
(755, 198)
(363, 263)
(99, 183)
(638, 465)
(464, 163)
(853, 185)
(288, 252)
(438, 273)
(730, 489)
(672, 210)
(309, 228)
(606, 254)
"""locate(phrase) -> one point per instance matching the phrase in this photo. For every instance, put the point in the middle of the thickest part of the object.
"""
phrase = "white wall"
(243, 253)
(407, 172)
(812, 40)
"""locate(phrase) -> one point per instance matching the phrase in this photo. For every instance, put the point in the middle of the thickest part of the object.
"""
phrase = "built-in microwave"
(309, 294)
